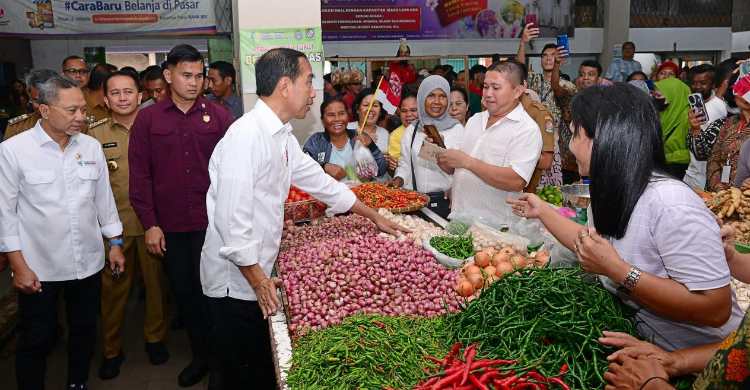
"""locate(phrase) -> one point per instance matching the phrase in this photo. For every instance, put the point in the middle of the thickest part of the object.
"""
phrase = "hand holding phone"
(531, 20)
(562, 40)
(432, 132)
(697, 105)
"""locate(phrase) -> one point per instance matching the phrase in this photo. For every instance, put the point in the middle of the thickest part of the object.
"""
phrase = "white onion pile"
(484, 240)
(421, 230)
(743, 293)
(328, 281)
(331, 228)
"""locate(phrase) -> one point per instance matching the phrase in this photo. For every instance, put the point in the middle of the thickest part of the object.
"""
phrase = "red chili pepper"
(469, 349)
(490, 374)
(445, 381)
(559, 382)
(563, 370)
(546, 341)
(469, 360)
(380, 324)
(452, 354)
(479, 385)
(536, 376)
(434, 359)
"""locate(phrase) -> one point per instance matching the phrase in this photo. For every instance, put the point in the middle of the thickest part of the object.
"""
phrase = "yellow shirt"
(27, 121)
(394, 142)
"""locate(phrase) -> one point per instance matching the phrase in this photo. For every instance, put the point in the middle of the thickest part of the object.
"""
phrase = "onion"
(481, 259)
(491, 279)
(473, 269)
(518, 261)
(499, 258)
(489, 251)
(475, 279)
(504, 268)
(507, 250)
(490, 270)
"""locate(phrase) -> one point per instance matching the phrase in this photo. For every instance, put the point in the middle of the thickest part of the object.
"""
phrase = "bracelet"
(116, 242)
(652, 378)
(627, 285)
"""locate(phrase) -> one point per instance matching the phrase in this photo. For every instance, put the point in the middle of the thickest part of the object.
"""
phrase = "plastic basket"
(304, 211)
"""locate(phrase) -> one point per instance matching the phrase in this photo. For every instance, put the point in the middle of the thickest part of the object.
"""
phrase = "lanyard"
(730, 149)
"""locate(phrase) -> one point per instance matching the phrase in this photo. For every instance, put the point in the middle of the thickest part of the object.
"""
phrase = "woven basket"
(411, 208)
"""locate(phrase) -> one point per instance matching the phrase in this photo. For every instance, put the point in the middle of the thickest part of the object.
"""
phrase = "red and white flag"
(387, 98)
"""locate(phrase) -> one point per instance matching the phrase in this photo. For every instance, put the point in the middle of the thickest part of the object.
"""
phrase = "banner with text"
(349, 20)
(106, 17)
(255, 43)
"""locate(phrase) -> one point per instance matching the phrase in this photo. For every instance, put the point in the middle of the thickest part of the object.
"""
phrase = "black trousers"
(38, 322)
(439, 204)
(243, 344)
(182, 262)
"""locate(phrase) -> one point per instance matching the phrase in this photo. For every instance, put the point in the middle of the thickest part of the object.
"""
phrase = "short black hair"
(725, 68)
(68, 58)
(97, 79)
(183, 53)
(155, 74)
(704, 68)
(148, 70)
(331, 100)
(515, 72)
(104, 68)
(407, 94)
(592, 64)
(438, 67)
(522, 66)
(358, 100)
(225, 69)
(495, 57)
(123, 73)
(129, 69)
(628, 43)
(462, 92)
(637, 72)
(275, 65)
(477, 69)
(548, 46)
(729, 93)
(565, 77)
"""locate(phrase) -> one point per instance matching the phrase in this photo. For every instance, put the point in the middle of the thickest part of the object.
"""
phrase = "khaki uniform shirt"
(115, 139)
(539, 113)
(94, 111)
(25, 122)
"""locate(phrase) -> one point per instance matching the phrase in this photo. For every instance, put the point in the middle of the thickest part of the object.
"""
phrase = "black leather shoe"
(157, 353)
(214, 380)
(110, 368)
(193, 373)
(177, 323)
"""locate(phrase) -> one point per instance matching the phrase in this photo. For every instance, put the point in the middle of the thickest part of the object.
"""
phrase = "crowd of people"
(184, 188)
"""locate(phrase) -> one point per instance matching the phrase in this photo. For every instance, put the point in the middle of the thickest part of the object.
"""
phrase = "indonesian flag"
(387, 98)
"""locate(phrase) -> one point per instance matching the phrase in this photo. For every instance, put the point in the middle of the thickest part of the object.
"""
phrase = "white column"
(616, 29)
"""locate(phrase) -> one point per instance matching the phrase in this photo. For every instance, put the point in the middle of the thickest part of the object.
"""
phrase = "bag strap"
(670, 134)
(413, 173)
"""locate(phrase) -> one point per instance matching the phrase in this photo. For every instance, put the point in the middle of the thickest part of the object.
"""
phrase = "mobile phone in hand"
(432, 132)
(531, 19)
(562, 40)
(697, 105)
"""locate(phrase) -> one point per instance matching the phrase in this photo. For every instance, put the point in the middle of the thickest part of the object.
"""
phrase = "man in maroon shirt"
(170, 145)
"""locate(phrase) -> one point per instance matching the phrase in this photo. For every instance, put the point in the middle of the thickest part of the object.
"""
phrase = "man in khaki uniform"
(541, 115)
(96, 108)
(121, 94)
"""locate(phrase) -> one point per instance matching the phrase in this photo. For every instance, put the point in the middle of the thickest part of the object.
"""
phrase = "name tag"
(109, 145)
(725, 170)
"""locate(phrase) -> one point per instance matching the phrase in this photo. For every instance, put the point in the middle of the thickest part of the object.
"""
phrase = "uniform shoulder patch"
(550, 127)
(18, 119)
(97, 123)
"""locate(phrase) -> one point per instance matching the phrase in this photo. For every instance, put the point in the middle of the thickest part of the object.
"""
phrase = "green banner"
(255, 43)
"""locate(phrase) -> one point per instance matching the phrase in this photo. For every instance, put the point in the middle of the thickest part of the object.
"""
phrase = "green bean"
(456, 247)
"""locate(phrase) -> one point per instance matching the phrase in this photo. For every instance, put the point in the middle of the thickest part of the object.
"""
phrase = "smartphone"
(744, 69)
(432, 132)
(562, 40)
(651, 85)
(531, 19)
(696, 104)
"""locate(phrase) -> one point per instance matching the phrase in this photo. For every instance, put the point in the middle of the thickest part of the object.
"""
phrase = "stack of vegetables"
(327, 281)
(378, 195)
(420, 229)
(551, 194)
(489, 266)
(733, 207)
(330, 228)
(455, 247)
(300, 206)
(545, 318)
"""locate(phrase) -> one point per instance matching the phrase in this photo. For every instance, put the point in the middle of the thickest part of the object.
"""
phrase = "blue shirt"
(340, 157)
(233, 104)
(621, 69)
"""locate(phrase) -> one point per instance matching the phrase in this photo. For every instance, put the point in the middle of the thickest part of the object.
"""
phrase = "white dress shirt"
(55, 205)
(430, 178)
(251, 170)
(695, 176)
(514, 142)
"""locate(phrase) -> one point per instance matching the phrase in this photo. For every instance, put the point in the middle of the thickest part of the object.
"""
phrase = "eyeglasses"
(72, 71)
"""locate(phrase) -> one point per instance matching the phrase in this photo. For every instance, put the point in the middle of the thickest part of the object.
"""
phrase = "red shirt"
(349, 100)
(168, 154)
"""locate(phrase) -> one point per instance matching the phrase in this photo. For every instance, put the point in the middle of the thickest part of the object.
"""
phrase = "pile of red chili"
(467, 373)
(377, 195)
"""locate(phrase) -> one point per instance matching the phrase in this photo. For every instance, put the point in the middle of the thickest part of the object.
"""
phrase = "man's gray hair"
(37, 77)
(49, 90)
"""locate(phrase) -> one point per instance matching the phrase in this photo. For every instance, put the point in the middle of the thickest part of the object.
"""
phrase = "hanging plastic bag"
(337, 77)
(366, 166)
(350, 168)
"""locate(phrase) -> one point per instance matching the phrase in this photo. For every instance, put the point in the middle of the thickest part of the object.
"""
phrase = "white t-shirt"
(514, 142)
(430, 178)
(695, 176)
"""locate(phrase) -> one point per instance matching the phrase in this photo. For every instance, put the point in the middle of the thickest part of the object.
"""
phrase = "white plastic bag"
(447, 261)
(529, 228)
(559, 255)
(485, 236)
(366, 166)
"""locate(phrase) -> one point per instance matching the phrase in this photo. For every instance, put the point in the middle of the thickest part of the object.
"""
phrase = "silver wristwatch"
(627, 285)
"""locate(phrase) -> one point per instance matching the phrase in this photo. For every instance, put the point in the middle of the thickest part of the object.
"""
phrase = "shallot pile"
(420, 229)
(329, 281)
(330, 228)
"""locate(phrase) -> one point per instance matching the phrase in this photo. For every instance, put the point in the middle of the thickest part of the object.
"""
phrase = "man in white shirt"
(703, 81)
(55, 205)
(499, 150)
(251, 170)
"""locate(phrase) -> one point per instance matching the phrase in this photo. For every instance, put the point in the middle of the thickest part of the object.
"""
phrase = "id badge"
(725, 170)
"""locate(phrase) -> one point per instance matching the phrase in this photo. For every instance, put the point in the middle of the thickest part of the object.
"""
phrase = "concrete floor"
(136, 373)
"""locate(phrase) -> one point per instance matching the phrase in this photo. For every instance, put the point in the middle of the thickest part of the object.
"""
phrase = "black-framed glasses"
(72, 71)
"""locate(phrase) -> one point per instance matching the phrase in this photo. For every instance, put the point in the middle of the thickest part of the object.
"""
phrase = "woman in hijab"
(672, 102)
(416, 173)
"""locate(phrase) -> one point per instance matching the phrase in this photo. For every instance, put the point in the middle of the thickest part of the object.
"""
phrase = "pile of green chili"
(546, 318)
(456, 247)
(368, 352)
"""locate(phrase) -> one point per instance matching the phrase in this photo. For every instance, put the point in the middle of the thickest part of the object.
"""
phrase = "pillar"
(616, 29)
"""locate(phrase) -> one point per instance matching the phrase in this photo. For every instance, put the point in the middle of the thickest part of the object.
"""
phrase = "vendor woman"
(333, 148)
(653, 242)
(414, 172)
(378, 134)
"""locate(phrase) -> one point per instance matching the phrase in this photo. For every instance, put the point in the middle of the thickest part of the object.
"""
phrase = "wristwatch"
(115, 242)
(627, 285)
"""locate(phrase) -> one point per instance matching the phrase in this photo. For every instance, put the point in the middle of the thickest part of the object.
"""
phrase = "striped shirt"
(621, 69)
(672, 234)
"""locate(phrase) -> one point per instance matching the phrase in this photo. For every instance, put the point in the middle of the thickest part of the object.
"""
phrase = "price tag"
(725, 170)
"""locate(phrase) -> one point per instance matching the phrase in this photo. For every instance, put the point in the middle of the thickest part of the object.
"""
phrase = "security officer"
(541, 115)
(96, 108)
(122, 96)
(25, 122)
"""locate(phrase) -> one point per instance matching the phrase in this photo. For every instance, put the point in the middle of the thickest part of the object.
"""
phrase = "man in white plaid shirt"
(623, 67)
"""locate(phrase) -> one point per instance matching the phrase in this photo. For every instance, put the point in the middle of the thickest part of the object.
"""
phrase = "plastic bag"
(337, 77)
(529, 228)
(559, 255)
(366, 166)
(485, 236)
(447, 261)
